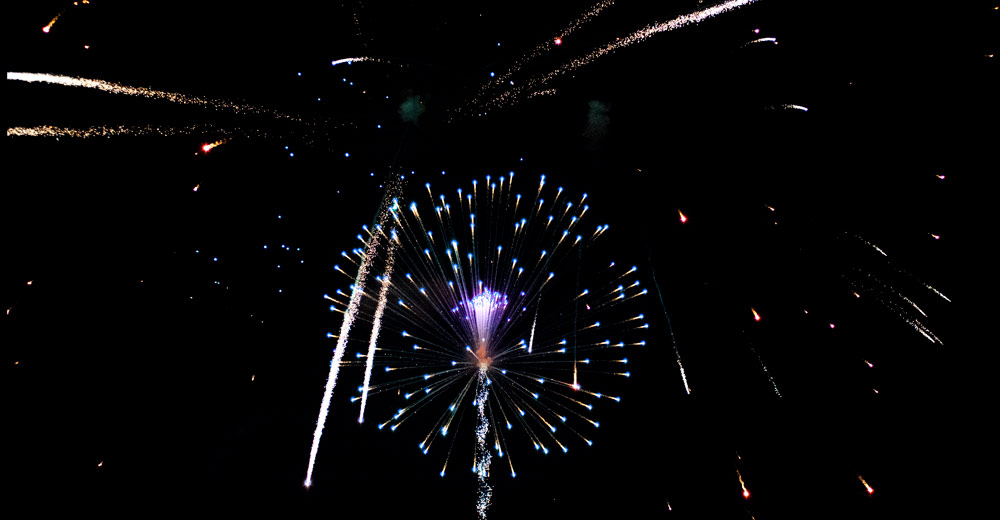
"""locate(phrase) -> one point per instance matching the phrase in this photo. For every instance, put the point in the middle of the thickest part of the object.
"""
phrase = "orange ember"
(484, 360)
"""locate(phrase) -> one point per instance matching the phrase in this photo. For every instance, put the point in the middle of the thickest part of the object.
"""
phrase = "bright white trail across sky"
(376, 326)
(357, 292)
(512, 95)
(125, 90)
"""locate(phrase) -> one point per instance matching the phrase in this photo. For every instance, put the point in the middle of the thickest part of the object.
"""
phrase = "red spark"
(557, 41)
(756, 317)
(683, 216)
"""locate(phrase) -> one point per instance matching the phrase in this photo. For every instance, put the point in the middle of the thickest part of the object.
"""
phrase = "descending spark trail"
(48, 26)
(125, 90)
(345, 329)
(376, 325)
(483, 454)
(512, 95)
(673, 340)
(766, 371)
(867, 487)
(746, 492)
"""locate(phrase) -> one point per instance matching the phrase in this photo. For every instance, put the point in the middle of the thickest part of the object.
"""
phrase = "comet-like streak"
(867, 487)
(350, 313)
(376, 326)
(119, 89)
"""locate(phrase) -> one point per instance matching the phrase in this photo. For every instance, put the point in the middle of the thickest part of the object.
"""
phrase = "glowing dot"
(756, 317)
(557, 41)
(683, 217)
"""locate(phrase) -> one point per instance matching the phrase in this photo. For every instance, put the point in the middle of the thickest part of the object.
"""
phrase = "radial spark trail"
(531, 338)
(376, 325)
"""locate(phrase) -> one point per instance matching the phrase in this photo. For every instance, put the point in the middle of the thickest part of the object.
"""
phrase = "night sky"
(157, 357)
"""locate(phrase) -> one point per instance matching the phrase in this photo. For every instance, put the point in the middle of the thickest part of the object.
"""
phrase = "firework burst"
(507, 303)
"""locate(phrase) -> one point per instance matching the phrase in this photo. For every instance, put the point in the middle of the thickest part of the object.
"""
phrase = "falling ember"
(875, 390)
(756, 317)
(252, 377)
(869, 363)
(29, 282)
(557, 41)
(746, 492)
(940, 177)
(832, 326)
(99, 464)
(867, 487)
(936, 237)
(196, 186)
(207, 147)
(683, 217)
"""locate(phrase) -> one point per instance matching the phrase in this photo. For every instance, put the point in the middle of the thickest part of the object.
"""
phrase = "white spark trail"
(766, 372)
(376, 326)
(125, 90)
(531, 338)
(349, 61)
(483, 454)
(345, 327)
(673, 339)
(511, 95)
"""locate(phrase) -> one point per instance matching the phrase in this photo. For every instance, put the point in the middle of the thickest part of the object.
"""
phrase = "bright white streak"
(117, 88)
(376, 325)
(345, 327)
(338, 353)
(531, 338)
(350, 60)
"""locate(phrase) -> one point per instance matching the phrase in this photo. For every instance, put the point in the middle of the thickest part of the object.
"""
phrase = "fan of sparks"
(487, 295)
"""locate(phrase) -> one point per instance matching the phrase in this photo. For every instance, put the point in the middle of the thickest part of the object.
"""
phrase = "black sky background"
(133, 347)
